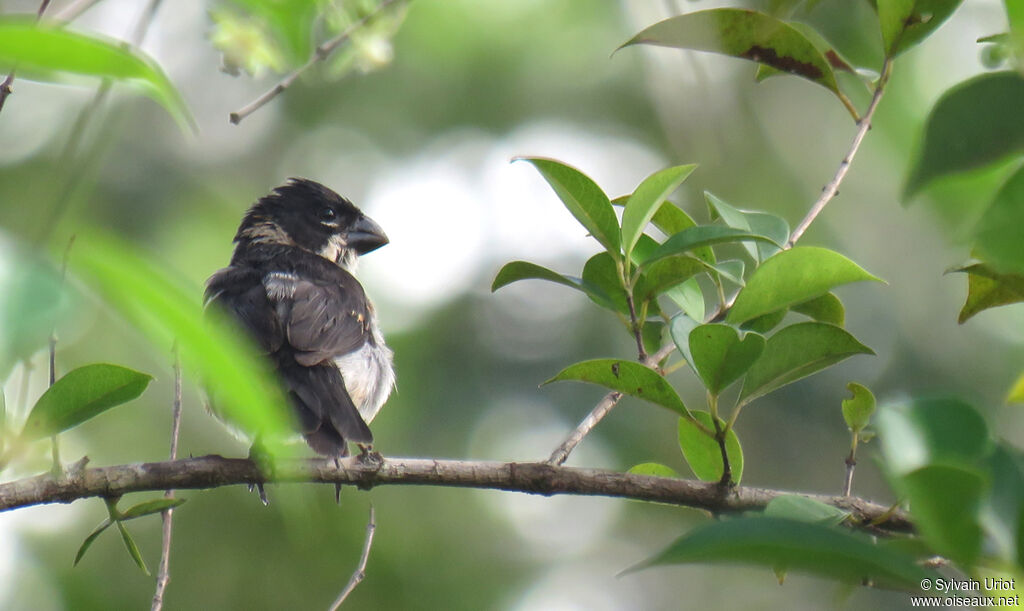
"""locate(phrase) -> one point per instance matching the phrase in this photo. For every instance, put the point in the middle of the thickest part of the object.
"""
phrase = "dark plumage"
(290, 283)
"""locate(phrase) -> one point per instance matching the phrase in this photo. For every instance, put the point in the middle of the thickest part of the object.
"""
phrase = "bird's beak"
(366, 236)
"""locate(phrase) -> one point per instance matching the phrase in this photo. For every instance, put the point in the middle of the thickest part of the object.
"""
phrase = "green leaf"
(680, 328)
(1001, 513)
(43, 51)
(731, 270)
(626, 377)
(584, 199)
(689, 297)
(146, 508)
(796, 352)
(81, 395)
(829, 52)
(667, 273)
(240, 381)
(702, 452)
(765, 322)
(523, 270)
(745, 34)
(932, 431)
(32, 300)
(987, 288)
(647, 200)
(601, 273)
(696, 237)
(796, 545)
(974, 124)
(720, 356)
(793, 276)
(104, 525)
(997, 238)
(945, 502)
(653, 469)
(133, 549)
(906, 23)
(857, 410)
(651, 335)
(826, 308)
(775, 228)
(670, 219)
(804, 509)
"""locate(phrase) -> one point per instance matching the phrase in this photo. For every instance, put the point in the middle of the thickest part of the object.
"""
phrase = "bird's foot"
(369, 457)
(264, 462)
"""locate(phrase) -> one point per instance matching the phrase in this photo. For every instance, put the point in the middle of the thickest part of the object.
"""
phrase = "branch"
(319, 54)
(163, 575)
(832, 188)
(532, 478)
(360, 573)
(5, 87)
(561, 453)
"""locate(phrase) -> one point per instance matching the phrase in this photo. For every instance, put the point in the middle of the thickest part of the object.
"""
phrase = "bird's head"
(308, 215)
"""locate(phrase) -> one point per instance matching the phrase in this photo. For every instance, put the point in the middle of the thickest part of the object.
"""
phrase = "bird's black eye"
(328, 216)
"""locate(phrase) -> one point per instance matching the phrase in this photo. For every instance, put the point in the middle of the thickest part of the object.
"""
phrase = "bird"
(291, 284)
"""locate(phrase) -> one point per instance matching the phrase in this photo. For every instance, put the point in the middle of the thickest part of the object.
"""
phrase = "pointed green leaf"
(626, 377)
(524, 270)
(796, 507)
(702, 452)
(720, 356)
(987, 288)
(46, 50)
(829, 52)
(974, 124)
(799, 546)
(858, 409)
(796, 352)
(653, 469)
(793, 276)
(90, 539)
(826, 308)
(646, 201)
(696, 237)
(583, 198)
(133, 549)
(746, 34)
(905, 23)
(997, 238)
(775, 228)
(146, 508)
(731, 270)
(81, 395)
(670, 219)
(601, 273)
(143, 293)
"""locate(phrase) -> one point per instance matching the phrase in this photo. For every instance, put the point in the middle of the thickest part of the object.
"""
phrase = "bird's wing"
(320, 321)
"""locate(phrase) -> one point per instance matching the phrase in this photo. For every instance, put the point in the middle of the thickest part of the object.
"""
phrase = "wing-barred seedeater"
(291, 284)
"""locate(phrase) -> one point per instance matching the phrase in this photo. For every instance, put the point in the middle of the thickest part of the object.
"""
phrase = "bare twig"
(163, 576)
(605, 405)
(5, 87)
(832, 188)
(319, 54)
(360, 573)
(531, 477)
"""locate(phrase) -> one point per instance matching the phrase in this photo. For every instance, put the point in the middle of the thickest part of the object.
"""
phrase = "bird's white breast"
(368, 373)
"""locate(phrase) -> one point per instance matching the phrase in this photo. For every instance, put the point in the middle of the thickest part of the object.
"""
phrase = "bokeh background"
(423, 144)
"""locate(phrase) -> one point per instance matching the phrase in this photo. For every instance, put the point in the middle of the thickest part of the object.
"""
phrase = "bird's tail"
(327, 415)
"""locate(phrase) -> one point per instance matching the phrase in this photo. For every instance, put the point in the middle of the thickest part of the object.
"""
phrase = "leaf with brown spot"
(746, 34)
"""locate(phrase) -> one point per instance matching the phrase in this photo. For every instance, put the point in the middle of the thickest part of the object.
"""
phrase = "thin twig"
(319, 54)
(360, 573)
(5, 87)
(605, 405)
(851, 464)
(163, 575)
(637, 329)
(832, 188)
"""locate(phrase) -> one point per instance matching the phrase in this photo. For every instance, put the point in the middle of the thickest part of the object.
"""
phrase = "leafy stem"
(720, 436)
